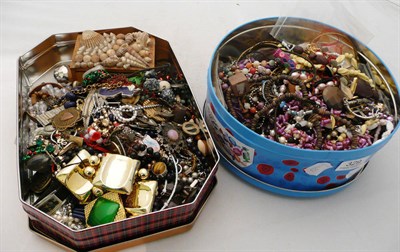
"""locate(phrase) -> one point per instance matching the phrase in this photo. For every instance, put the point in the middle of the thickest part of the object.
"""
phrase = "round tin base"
(282, 191)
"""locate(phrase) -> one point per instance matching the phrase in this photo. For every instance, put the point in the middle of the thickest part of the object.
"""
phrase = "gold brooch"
(66, 119)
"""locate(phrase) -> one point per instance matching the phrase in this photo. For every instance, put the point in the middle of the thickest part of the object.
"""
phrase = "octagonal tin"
(37, 66)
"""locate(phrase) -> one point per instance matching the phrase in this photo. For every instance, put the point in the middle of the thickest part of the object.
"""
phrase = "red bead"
(96, 135)
(253, 110)
(252, 70)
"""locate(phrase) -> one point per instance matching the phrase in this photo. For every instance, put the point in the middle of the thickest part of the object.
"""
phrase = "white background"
(237, 217)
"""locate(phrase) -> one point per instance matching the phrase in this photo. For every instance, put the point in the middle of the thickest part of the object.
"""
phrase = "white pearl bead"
(295, 75)
(321, 86)
(282, 139)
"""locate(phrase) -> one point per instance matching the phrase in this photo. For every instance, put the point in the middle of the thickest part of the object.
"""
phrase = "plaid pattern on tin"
(127, 229)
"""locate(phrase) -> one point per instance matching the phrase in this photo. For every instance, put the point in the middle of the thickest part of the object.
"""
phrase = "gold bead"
(143, 173)
(89, 171)
(97, 191)
(94, 160)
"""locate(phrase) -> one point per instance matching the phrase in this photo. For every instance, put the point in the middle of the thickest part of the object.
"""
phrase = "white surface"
(237, 217)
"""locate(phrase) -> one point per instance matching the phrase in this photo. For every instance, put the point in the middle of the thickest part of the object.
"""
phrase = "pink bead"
(325, 121)
(286, 117)
(173, 135)
(308, 146)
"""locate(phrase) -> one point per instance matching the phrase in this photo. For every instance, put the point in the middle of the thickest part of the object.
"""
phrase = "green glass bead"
(39, 142)
(103, 211)
(136, 80)
(50, 148)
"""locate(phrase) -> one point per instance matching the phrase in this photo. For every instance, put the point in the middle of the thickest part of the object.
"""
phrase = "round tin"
(270, 165)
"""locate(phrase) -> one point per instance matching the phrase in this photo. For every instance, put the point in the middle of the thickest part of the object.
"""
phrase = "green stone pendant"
(103, 211)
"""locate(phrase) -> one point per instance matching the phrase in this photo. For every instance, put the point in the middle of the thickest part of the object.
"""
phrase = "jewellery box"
(112, 148)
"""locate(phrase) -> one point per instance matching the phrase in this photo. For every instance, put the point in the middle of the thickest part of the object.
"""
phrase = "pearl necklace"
(119, 111)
